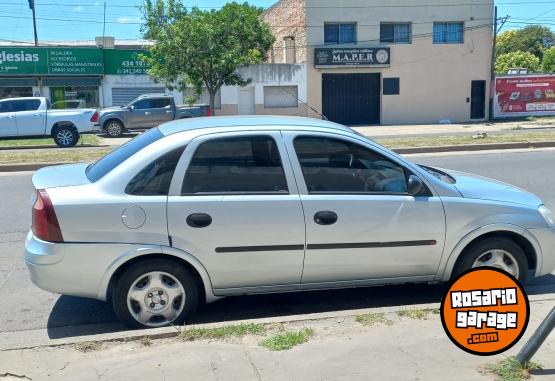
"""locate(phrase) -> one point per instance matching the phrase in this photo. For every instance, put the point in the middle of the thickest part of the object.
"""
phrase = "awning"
(71, 81)
(18, 82)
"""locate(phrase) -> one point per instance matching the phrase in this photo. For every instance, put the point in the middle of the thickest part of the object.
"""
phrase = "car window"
(142, 104)
(338, 166)
(236, 165)
(25, 105)
(6, 106)
(160, 103)
(155, 178)
(103, 166)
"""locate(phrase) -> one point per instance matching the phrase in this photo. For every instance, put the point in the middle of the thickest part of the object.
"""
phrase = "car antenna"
(307, 105)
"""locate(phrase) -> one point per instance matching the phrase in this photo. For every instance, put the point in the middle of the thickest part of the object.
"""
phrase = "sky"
(82, 20)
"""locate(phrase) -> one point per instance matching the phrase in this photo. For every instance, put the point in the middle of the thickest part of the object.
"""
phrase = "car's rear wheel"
(496, 252)
(155, 293)
(65, 136)
(113, 128)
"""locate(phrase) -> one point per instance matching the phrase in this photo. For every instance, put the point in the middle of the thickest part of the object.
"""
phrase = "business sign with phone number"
(524, 96)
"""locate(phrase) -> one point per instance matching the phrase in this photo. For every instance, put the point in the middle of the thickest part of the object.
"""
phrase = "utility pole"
(492, 68)
(104, 28)
(32, 7)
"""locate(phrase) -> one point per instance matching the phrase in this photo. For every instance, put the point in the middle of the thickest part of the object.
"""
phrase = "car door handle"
(147, 113)
(199, 220)
(169, 112)
(37, 115)
(325, 217)
(11, 116)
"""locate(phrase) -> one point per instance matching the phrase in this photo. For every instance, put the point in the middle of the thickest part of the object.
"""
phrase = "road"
(23, 306)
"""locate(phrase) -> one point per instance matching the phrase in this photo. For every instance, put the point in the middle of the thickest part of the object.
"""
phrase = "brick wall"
(287, 18)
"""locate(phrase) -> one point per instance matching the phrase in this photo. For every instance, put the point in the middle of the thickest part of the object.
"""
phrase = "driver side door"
(361, 224)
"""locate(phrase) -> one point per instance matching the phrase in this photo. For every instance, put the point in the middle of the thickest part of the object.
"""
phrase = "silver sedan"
(200, 209)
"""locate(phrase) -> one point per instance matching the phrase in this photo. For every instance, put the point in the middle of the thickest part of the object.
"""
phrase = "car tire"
(113, 128)
(508, 254)
(133, 303)
(65, 136)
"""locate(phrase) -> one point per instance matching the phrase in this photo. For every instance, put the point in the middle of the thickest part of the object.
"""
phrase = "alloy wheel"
(499, 259)
(64, 137)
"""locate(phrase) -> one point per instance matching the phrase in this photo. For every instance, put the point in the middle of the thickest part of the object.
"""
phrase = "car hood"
(61, 176)
(483, 188)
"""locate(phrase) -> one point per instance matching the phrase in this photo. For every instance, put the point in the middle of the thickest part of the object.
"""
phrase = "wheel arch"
(60, 124)
(517, 234)
(112, 118)
(191, 263)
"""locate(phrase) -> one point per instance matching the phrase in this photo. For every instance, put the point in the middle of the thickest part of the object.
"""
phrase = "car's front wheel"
(497, 252)
(155, 293)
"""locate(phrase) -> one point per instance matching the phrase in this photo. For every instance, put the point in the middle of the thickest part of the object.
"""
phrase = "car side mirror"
(414, 185)
(130, 107)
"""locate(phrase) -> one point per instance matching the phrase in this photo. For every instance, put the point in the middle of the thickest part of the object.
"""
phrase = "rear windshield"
(103, 166)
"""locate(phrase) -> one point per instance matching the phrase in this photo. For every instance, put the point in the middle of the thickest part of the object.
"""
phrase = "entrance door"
(478, 100)
(234, 205)
(351, 98)
(246, 101)
(361, 223)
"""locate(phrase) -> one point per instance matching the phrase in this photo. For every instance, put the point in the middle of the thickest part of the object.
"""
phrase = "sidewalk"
(341, 349)
(454, 129)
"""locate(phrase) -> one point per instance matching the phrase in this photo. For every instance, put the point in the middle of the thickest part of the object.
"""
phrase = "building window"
(281, 96)
(391, 86)
(340, 33)
(396, 33)
(204, 97)
(448, 32)
(74, 97)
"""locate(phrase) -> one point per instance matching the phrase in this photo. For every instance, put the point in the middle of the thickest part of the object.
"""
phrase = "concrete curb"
(403, 151)
(51, 146)
(39, 338)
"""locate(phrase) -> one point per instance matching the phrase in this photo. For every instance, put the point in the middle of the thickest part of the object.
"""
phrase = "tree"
(548, 64)
(204, 48)
(531, 39)
(516, 60)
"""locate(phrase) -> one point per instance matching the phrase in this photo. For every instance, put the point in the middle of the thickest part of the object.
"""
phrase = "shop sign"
(124, 62)
(524, 95)
(361, 57)
(54, 61)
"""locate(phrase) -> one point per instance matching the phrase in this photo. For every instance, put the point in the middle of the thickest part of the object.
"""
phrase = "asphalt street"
(24, 306)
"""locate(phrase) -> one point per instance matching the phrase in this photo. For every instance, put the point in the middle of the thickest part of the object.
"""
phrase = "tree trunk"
(212, 95)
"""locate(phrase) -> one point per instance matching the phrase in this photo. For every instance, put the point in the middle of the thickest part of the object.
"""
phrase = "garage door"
(123, 95)
(352, 99)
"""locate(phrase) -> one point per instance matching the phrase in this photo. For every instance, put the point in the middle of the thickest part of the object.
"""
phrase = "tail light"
(208, 111)
(94, 118)
(45, 222)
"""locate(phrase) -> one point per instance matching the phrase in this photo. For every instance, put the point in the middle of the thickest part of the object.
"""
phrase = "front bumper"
(546, 240)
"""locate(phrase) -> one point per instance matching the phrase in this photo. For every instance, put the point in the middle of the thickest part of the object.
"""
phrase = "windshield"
(104, 165)
(440, 175)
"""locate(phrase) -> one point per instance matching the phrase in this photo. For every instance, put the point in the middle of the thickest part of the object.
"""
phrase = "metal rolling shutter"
(123, 95)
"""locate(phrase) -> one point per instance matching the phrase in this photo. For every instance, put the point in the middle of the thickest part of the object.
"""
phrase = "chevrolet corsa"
(195, 210)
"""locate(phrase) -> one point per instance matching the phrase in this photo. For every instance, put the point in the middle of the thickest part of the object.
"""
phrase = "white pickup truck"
(32, 116)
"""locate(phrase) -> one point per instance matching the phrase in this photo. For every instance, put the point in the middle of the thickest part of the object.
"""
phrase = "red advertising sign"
(524, 95)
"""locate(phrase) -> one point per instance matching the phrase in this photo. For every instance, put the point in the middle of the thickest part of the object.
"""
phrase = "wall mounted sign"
(361, 57)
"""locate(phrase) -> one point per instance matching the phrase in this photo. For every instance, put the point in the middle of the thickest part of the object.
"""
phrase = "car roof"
(233, 122)
(19, 98)
(154, 95)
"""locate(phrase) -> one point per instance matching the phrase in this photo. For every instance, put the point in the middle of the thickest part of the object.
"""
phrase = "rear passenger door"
(234, 205)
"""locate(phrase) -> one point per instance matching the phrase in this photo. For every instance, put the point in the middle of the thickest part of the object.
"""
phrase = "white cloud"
(128, 20)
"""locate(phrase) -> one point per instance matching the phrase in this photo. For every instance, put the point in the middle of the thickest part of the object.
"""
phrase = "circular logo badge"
(485, 311)
(382, 56)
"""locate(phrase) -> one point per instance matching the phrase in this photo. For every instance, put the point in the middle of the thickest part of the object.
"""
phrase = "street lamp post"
(32, 7)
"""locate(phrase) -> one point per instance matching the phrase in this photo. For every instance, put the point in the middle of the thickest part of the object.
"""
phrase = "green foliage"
(222, 332)
(548, 64)
(372, 319)
(530, 39)
(190, 100)
(204, 48)
(517, 59)
(287, 340)
(509, 369)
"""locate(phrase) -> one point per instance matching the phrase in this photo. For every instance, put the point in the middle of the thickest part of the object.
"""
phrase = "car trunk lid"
(61, 176)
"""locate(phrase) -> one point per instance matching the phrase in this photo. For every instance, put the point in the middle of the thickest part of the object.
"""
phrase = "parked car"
(200, 209)
(32, 116)
(147, 111)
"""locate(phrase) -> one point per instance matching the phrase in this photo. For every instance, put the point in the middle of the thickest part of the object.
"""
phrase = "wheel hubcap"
(64, 137)
(114, 129)
(156, 299)
(499, 259)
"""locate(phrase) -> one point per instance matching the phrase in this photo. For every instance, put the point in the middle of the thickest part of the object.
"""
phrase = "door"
(8, 126)
(478, 100)
(142, 115)
(351, 99)
(161, 110)
(234, 205)
(30, 118)
(360, 222)
(246, 101)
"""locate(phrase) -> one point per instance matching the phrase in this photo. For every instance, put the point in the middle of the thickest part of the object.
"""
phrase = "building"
(374, 62)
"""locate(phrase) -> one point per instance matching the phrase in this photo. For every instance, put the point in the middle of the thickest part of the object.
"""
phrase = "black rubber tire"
(114, 133)
(67, 131)
(124, 281)
(472, 252)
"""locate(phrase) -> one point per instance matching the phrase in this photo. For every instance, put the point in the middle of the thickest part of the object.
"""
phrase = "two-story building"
(375, 62)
